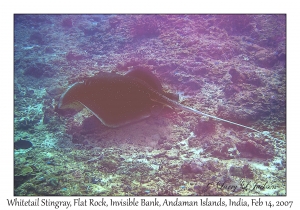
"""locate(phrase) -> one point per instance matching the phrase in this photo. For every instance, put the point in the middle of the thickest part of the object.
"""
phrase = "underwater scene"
(149, 105)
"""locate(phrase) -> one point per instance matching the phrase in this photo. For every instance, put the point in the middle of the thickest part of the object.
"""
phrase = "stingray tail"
(189, 109)
(167, 101)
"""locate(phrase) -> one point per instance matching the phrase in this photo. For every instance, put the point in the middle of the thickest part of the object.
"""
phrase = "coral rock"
(253, 149)
(67, 23)
(265, 59)
(204, 127)
(172, 154)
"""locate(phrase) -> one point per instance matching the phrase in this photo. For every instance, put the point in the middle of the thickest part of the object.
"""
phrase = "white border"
(8, 8)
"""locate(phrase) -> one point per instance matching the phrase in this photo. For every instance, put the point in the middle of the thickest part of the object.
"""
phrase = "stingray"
(117, 100)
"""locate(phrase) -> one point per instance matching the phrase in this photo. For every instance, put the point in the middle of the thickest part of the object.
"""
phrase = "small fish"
(117, 100)
(22, 144)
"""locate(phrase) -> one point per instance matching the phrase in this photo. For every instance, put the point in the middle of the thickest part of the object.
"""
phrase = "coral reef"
(230, 66)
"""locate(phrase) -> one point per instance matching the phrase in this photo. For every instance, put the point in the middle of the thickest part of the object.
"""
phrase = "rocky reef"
(230, 66)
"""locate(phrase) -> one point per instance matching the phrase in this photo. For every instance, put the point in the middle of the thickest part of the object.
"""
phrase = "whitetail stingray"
(117, 99)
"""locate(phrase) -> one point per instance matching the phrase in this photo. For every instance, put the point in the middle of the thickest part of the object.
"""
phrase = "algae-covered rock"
(158, 153)
(243, 172)
(172, 154)
(109, 163)
(22, 175)
(24, 171)
(53, 182)
(236, 171)
(97, 189)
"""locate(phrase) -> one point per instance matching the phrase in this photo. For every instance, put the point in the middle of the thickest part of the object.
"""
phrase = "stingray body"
(117, 99)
